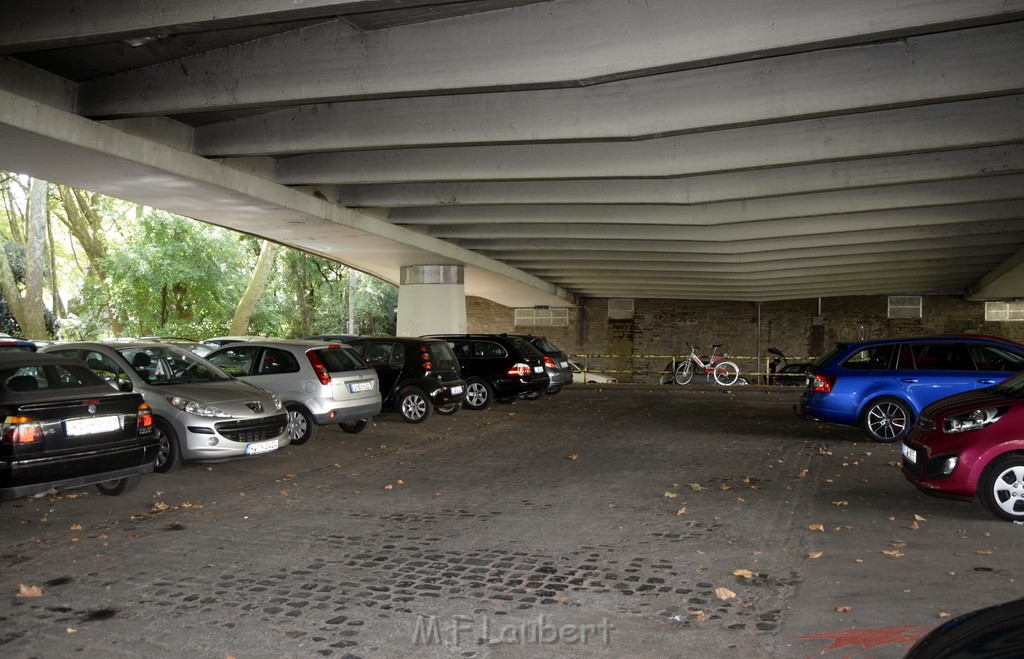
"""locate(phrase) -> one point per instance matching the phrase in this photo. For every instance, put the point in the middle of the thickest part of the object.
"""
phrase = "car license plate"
(92, 425)
(564, 364)
(538, 369)
(909, 453)
(456, 390)
(261, 447)
(360, 386)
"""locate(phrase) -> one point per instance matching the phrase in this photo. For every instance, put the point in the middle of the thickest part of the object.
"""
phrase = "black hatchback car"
(498, 367)
(417, 376)
(65, 427)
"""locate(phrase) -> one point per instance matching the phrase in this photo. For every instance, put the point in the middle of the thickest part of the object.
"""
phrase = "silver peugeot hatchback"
(320, 382)
(200, 412)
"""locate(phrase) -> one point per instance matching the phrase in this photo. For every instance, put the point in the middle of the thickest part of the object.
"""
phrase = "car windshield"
(1012, 387)
(339, 360)
(524, 347)
(442, 356)
(170, 365)
(545, 346)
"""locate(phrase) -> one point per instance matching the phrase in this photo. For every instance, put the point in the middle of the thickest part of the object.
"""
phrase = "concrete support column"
(431, 300)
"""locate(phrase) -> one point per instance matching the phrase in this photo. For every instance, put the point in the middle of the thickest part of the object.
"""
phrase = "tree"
(28, 245)
(257, 284)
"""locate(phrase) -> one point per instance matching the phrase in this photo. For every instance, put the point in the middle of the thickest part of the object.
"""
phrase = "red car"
(972, 445)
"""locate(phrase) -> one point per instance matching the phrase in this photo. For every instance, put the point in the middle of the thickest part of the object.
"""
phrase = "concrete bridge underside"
(558, 149)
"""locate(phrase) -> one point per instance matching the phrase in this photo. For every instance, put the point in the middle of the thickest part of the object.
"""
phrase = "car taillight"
(520, 369)
(144, 421)
(548, 362)
(425, 356)
(321, 371)
(823, 383)
(21, 430)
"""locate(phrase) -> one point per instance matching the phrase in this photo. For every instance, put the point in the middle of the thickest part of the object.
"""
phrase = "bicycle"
(725, 372)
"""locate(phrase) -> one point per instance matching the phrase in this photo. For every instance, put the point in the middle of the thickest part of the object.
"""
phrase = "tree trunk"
(260, 277)
(353, 284)
(33, 312)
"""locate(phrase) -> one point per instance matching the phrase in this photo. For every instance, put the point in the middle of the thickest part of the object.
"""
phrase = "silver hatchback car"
(200, 412)
(320, 382)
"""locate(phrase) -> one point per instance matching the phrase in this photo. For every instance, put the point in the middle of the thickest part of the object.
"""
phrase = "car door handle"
(909, 380)
(986, 381)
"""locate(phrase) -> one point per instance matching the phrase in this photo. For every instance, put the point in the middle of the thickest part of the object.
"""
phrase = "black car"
(417, 376)
(556, 364)
(995, 632)
(498, 367)
(65, 427)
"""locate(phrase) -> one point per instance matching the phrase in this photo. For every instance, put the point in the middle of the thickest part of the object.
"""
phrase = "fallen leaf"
(944, 614)
(70, 630)
(29, 591)
(389, 486)
(746, 574)
(802, 474)
(76, 527)
(572, 456)
(816, 527)
(400, 482)
(984, 552)
(919, 518)
(681, 511)
(840, 503)
(893, 553)
(699, 616)
(815, 554)
(915, 525)
(724, 594)
(670, 495)
(160, 505)
(844, 609)
(697, 487)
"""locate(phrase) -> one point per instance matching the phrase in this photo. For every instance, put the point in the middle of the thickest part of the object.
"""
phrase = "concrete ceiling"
(702, 149)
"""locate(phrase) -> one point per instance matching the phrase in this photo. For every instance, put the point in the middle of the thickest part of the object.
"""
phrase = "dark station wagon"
(498, 367)
(65, 427)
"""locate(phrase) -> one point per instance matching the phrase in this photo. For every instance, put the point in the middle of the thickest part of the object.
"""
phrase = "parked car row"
(955, 402)
(248, 396)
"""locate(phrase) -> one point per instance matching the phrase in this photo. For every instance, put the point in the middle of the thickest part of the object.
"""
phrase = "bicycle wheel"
(684, 373)
(726, 373)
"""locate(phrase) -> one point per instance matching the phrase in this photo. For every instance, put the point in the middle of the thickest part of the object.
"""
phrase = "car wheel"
(414, 406)
(168, 456)
(553, 390)
(479, 394)
(119, 486)
(1002, 488)
(886, 419)
(684, 373)
(301, 425)
(353, 427)
(531, 395)
(448, 410)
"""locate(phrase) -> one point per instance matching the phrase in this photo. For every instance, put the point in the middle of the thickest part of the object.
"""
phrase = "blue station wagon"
(883, 385)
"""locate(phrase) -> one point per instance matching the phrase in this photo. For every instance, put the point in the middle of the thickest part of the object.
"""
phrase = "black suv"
(417, 376)
(556, 364)
(497, 367)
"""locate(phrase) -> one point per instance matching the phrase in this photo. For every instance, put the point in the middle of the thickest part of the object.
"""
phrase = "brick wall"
(639, 349)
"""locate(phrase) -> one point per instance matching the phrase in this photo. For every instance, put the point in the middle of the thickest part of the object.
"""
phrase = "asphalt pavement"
(613, 520)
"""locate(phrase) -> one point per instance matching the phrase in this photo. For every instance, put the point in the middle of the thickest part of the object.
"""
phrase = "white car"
(582, 376)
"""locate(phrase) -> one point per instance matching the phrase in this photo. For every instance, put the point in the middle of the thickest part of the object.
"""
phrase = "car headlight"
(975, 420)
(199, 409)
(277, 401)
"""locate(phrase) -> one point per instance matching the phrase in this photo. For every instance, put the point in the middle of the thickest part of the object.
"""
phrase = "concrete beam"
(972, 63)
(941, 127)
(62, 147)
(60, 23)
(1008, 188)
(778, 181)
(1005, 282)
(550, 44)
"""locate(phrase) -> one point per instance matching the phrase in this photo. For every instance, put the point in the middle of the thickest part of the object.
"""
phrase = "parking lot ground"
(619, 521)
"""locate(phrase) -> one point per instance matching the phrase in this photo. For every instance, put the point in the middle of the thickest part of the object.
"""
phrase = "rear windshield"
(545, 346)
(442, 356)
(340, 360)
(523, 347)
(50, 376)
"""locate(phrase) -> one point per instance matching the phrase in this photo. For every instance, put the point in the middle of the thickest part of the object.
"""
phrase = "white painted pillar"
(431, 300)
